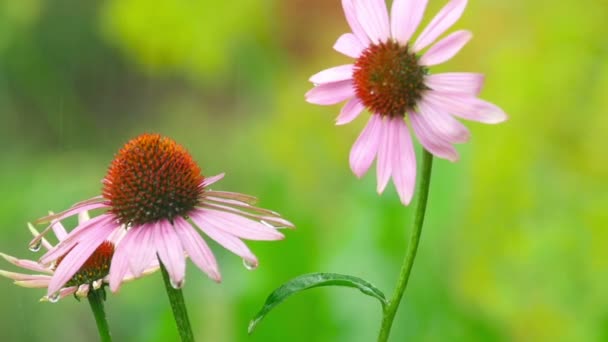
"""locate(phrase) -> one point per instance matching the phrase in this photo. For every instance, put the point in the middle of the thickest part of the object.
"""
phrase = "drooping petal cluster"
(391, 79)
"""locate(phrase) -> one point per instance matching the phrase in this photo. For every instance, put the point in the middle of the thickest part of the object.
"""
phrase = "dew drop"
(36, 246)
(177, 284)
(250, 265)
(54, 298)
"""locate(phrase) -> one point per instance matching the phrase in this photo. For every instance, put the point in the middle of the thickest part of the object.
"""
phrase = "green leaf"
(309, 281)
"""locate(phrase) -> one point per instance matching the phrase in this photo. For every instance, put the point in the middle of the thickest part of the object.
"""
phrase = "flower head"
(93, 273)
(390, 78)
(156, 196)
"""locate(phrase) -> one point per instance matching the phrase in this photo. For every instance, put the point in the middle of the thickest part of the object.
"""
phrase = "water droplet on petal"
(54, 298)
(250, 265)
(36, 246)
(177, 284)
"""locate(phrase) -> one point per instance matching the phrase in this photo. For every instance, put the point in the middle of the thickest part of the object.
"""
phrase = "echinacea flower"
(390, 78)
(93, 273)
(155, 194)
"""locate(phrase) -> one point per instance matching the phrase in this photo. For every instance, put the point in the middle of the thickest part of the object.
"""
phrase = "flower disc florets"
(388, 78)
(152, 178)
(96, 267)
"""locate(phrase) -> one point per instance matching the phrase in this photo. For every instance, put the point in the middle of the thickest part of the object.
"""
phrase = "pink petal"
(24, 263)
(446, 17)
(350, 111)
(373, 17)
(442, 124)
(348, 45)
(197, 249)
(72, 211)
(236, 225)
(77, 256)
(455, 82)
(353, 22)
(143, 250)
(431, 141)
(405, 18)
(59, 230)
(385, 154)
(229, 241)
(404, 161)
(364, 150)
(331, 93)
(276, 222)
(335, 74)
(170, 252)
(466, 107)
(120, 261)
(446, 48)
(22, 276)
(34, 283)
(210, 180)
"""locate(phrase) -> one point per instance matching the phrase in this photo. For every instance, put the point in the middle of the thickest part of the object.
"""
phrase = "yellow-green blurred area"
(515, 243)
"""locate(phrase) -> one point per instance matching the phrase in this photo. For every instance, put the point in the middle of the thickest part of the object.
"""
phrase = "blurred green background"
(514, 248)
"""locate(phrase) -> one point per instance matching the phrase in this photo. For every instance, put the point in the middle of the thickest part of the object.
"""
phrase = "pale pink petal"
(353, 22)
(24, 263)
(227, 195)
(350, 111)
(446, 17)
(99, 222)
(331, 93)
(64, 292)
(455, 82)
(34, 283)
(276, 222)
(385, 153)
(364, 150)
(83, 217)
(170, 252)
(466, 107)
(210, 180)
(405, 18)
(443, 124)
(430, 141)
(335, 74)
(373, 17)
(120, 261)
(446, 48)
(22, 276)
(197, 249)
(72, 211)
(77, 256)
(235, 225)
(404, 162)
(348, 45)
(59, 229)
(143, 249)
(230, 242)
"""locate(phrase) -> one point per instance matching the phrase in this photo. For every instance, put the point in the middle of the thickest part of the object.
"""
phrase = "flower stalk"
(390, 310)
(176, 298)
(96, 298)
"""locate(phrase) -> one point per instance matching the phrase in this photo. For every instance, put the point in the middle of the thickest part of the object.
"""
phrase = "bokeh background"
(514, 248)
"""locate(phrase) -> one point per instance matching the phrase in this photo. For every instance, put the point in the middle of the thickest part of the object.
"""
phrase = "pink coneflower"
(155, 191)
(93, 273)
(390, 78)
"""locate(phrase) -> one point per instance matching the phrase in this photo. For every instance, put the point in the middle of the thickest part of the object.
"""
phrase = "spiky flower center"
(152, 178)
(388, 79)
(96, 267)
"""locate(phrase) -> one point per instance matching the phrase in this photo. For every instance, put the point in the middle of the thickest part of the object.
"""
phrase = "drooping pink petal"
(34, 283)
(385, 154)
(446, 48)
(170, 252)
(276, 222)
(59, 230)
(373, 17)
(101, 221)
(353, 22)
(236, 225)
(466, 107)
(404, 161)
(72, 211)
(228, 241)
(430, 141)
(446, 17)
(364, 149)
(143, 249)
(443, 124)
(76, 257)
(23, 276)
(348, 45)
(24, 263)
(331, 93)
(350, 111)
(405, 18)
(227, 195)
(335, 74)
(120, 261)
(455, 82)
(210, 180)
(197, 249)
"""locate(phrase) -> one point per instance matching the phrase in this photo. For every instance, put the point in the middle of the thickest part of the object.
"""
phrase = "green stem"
(176, 298)
(96, 298)
(408, 262)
